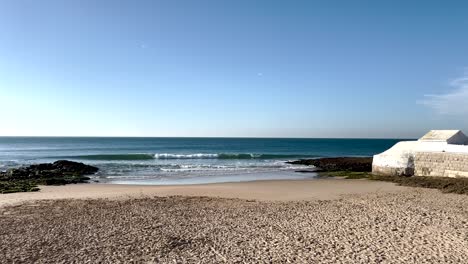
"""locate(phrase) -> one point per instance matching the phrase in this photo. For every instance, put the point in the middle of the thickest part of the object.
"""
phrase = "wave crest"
(185, 156)
(131, 156)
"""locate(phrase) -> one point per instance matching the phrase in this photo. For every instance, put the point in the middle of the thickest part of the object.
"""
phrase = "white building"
(438, 153)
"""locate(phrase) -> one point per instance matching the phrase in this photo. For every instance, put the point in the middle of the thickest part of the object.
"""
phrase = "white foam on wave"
(9, 163)
(185, 156)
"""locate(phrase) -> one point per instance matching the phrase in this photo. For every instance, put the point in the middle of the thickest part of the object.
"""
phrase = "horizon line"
(207, 137)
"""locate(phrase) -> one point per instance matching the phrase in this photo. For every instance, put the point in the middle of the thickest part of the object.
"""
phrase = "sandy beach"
(308, 221)
(233, 132)
(275, 190)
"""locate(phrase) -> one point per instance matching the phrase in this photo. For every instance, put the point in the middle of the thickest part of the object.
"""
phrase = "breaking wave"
(186, 156)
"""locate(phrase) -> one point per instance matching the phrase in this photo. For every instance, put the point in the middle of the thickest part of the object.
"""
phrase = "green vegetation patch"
(17, 186)
(347, 174)
(445, 184)
(30, 185)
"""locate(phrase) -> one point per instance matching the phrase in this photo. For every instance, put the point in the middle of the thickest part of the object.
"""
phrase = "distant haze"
(364, 69)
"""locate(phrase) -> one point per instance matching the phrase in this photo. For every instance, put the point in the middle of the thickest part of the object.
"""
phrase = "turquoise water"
(184, 160)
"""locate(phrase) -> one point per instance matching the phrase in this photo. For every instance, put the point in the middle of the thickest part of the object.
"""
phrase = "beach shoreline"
(262, 190)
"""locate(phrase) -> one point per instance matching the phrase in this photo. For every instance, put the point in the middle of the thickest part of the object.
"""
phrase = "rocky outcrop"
(58, 169)
(58, 173)
(361, 164)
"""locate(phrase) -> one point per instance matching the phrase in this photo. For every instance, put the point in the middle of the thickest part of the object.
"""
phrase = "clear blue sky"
(233, 68)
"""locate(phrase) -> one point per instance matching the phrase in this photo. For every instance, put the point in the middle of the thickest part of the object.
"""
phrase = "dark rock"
(361, 164)
(74, 167)
(306, 171)
(58, 169)
(55, 181)
(60, 172)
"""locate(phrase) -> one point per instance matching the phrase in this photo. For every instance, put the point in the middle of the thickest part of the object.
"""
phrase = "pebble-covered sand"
(411, 226)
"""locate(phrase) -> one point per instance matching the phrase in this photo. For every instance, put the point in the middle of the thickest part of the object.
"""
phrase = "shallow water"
(184, 160)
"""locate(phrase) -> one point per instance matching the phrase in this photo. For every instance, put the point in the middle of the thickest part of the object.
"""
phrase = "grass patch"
(31, 185)
(18, 186)
(445, 184)
(347, 174)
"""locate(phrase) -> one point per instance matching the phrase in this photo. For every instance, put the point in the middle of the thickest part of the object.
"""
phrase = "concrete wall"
(394, 171)
(401, 158)
(398, 160)
(441, 164)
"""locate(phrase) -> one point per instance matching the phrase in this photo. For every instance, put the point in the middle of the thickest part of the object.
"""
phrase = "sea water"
(163, 161)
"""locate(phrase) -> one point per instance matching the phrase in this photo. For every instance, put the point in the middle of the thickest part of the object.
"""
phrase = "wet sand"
(292, 221)
(274, 190)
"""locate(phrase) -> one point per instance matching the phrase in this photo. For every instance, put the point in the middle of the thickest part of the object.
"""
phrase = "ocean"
(163, 161)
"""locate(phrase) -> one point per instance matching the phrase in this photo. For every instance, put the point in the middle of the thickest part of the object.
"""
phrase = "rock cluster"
(59, 169)
(57, 173)
(361, 164)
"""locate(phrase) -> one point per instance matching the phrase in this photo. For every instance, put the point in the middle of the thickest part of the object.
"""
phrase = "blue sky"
(233, 68)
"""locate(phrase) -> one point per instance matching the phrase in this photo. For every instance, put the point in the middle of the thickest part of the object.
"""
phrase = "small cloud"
(143, 45)
(455, 102)
(259, 74)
